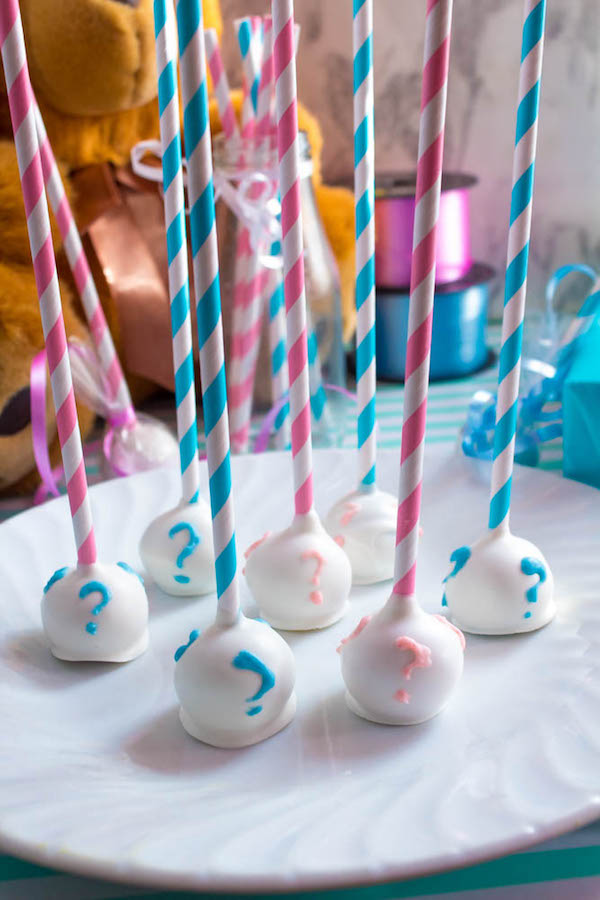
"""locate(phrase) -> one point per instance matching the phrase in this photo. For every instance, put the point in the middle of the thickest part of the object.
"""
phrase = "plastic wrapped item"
(133, 442)
(248, 227)
(548, 362)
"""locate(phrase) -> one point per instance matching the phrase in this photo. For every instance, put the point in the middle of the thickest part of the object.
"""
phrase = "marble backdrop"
(481, 112)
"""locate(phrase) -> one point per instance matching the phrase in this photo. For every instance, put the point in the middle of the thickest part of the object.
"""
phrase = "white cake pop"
(363, 523)
(96, 613)
(177, 550)
(500, 585)
(401, 665)
(235, 683)
(299, 577)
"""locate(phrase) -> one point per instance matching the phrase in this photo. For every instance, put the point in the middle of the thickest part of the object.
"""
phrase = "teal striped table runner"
(567, 868)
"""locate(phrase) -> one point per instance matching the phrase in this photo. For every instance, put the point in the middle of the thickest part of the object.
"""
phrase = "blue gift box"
(581, 411)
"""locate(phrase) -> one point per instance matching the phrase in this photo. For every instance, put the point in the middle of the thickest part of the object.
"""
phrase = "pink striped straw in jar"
(22, 113)
(246, 309)
(293, 252)
(221, 85)
(247, 341)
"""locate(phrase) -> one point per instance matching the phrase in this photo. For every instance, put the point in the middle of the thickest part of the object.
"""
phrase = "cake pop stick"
(503, 584)
(71, 595)
(176, 548)
(216, 672)
(401, 666)
(299, 577)
(364, 521)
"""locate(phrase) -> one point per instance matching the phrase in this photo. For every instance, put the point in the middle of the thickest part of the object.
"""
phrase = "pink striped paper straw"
(221, 85)
(293, 258)
(246, 342)
(22, 114)
(248, 286)
(276, 308)
(422, 286)
(86, 287)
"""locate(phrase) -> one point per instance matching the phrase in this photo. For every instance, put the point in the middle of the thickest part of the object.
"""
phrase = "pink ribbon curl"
(50, 477)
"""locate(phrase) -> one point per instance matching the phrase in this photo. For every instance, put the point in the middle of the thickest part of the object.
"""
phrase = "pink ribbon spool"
(394, 219)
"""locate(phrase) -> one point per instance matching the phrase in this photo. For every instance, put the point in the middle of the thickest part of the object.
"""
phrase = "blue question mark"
(127, 568)
(60, 573)
(194, 635)
(460, 558)
(187, 550)
(251, 663)
(532, 566)
(95, 587)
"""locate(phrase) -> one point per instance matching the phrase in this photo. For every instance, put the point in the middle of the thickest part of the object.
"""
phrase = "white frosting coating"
(96, 613)
(402, 665)
(489, 592)
(300, 577)
(184, 564)
(235, 683)
(363, 523)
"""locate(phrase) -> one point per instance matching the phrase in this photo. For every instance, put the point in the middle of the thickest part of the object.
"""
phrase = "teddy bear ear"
(91, 57)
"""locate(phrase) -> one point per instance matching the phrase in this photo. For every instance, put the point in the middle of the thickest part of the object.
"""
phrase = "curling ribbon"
(37, 382)
(539, 417)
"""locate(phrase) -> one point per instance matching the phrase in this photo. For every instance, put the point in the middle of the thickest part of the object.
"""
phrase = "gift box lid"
(581, 411)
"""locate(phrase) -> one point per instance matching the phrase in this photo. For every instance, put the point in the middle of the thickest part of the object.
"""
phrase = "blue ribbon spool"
(459, 318)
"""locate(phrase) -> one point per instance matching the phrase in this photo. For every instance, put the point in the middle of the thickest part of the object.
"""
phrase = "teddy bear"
(21, 337)
(92, 66)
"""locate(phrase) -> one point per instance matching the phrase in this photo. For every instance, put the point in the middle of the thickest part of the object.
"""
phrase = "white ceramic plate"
(98, 777)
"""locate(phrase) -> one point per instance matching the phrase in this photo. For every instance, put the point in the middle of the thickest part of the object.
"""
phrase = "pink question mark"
(421, 660)
(315, 596)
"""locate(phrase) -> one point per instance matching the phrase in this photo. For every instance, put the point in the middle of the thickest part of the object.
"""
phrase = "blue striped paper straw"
(207, 289)
(249, 35)
(515, 286)
(364, 190)
(277, 342)
(179, 291)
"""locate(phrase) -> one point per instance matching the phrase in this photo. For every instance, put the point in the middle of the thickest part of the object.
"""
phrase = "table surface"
(567, 867)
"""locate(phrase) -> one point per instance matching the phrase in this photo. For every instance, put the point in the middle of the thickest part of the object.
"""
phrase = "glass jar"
(247, 201)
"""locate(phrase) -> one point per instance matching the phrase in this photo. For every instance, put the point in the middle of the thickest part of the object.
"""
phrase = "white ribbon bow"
(259, 214)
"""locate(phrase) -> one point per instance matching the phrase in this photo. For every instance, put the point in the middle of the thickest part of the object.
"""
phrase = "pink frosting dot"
(402, 696)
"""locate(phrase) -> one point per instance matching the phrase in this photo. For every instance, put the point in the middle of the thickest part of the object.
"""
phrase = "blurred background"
(484, 67)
